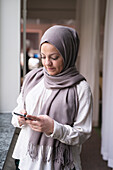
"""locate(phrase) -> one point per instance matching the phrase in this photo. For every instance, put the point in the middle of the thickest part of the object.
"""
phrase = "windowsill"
(6, 135)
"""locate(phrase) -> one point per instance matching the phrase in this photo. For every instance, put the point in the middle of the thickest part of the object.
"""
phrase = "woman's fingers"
(23, 112)
(42, 123)
(21, 120)
(30, 117)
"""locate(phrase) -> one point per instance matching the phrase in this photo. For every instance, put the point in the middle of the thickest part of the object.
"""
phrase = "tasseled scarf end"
(61, 155)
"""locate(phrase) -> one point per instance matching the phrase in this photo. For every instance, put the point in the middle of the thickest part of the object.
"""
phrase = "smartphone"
(18, 114)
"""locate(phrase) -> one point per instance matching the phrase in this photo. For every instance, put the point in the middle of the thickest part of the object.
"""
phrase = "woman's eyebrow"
(50, 54)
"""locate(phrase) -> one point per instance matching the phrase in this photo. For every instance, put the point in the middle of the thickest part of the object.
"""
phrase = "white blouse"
(74, 136)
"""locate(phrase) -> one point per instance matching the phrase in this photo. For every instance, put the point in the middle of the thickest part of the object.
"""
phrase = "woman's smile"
(50, 69)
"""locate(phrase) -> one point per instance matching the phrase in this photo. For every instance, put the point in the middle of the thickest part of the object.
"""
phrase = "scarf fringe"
(61, 155)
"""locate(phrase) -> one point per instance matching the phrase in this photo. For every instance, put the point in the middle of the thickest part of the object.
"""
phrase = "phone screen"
(18, 114)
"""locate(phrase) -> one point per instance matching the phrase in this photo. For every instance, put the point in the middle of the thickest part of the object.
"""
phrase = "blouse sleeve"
(20, 107)
(81, 129)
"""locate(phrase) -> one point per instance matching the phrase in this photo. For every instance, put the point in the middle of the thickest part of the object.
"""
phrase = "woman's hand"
(42, 123)
(21, 120)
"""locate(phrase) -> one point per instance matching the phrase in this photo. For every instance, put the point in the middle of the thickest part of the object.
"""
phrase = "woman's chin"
(52, 72)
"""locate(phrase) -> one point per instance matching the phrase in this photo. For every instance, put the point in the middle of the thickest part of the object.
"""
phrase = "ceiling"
(49, 11)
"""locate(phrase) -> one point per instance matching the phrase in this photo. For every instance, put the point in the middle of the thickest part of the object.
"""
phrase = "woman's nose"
(48, 61)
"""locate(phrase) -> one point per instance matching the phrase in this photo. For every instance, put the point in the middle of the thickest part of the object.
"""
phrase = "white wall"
(9, 54)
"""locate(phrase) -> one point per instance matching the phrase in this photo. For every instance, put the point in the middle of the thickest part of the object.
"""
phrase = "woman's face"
(51, 59)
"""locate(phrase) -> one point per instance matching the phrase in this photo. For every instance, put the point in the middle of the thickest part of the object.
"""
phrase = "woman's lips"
(50, 69)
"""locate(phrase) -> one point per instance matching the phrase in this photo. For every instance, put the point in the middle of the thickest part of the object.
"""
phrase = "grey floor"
(91, 157)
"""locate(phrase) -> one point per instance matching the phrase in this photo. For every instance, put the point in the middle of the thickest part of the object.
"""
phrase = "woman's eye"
(43, 57)
(54, 57)
(51, 57)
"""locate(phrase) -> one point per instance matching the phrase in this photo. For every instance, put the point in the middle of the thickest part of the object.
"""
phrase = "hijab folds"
(62, 103)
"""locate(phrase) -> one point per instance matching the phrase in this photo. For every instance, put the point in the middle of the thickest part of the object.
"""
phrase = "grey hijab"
(66, 40)
(61, 105)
